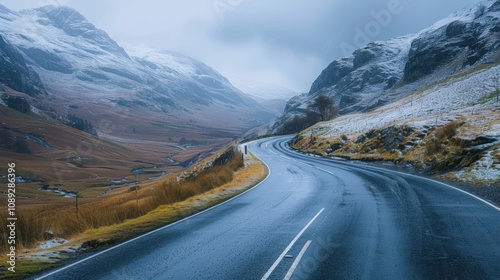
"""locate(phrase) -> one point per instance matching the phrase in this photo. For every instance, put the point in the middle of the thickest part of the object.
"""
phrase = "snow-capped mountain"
(385, 71)
(451, 128)
(79, 63)
(201, 83)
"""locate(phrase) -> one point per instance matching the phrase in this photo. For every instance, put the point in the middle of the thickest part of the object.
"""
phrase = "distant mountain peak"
(63, 15)
(178, 62)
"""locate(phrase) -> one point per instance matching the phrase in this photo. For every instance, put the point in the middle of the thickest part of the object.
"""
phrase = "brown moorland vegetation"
(202, 181)
(63, 218)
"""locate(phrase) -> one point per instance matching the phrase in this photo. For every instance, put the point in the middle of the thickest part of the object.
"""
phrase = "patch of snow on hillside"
(164, 58)
(52, 243)
(437, 105)
(484, 169)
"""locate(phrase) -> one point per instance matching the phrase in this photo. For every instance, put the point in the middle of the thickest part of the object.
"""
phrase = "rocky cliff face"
(14, 72)
(383, 72)
(466, 39)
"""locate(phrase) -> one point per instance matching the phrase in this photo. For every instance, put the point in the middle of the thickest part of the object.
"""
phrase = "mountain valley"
(155, 108)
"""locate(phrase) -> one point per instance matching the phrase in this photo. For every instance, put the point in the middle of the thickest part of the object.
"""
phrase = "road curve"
(314, 218)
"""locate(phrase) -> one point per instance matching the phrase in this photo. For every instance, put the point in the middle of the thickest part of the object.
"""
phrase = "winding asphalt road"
(314, 218)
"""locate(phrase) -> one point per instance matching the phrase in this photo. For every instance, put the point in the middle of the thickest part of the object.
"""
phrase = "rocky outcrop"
(355, 83)
(17, 103)
(460, 43)
(49, 61)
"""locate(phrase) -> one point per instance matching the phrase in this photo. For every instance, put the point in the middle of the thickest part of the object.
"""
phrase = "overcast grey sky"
(285, 42)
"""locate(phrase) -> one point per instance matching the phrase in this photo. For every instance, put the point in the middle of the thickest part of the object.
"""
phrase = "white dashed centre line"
(297, 261)
(276, 263)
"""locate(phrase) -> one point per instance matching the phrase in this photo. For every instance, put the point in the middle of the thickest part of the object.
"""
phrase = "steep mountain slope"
(383, 72)
(78, 63)
(200, 84)
(451, 127)
(13, 69)
(64, 79)
(15, 73)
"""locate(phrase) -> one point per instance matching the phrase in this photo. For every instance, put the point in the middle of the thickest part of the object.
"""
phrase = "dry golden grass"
(167, 213)
(440, 135)
(120, 229)
(440, 142)
(442, 149)
(65, 220)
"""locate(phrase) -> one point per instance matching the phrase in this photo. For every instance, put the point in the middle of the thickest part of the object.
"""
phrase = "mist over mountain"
(271, 96)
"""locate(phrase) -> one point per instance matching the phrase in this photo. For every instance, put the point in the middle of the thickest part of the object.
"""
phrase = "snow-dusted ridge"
(174, 61)
(472, 99)
(386, 71)
(431, 99)
(77, 61)
(451, 99)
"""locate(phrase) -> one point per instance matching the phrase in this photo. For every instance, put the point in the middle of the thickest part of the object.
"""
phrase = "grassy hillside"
(120, 174)
(58, 155)
(117, 216)
(450, 129)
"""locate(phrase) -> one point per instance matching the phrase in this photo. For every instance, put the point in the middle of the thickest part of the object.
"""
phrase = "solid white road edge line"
(275, 264)
(449, 186)
(430, 180)
(159, 229)
(290, 272)
(326, 160)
